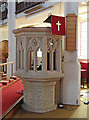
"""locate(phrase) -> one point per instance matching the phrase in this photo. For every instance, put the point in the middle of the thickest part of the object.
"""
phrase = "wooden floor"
(67, 112)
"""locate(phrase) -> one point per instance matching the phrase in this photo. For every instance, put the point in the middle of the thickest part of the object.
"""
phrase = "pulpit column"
(71, 82)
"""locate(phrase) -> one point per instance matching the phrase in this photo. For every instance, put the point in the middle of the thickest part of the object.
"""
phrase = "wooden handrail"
(6, 63)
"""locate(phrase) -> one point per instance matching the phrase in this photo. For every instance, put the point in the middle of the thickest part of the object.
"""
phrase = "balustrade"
(3, 67)
(25, 5)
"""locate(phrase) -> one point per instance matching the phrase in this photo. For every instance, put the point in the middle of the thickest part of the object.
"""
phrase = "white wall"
(4, 33)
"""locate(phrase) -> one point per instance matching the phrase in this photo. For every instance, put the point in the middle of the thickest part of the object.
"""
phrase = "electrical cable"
(69, 108)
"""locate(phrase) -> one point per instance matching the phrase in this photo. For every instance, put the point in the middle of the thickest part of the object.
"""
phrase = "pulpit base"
(39, 96)
(25, 107)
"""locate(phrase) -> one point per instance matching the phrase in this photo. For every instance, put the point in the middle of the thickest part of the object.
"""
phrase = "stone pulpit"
(38, 64)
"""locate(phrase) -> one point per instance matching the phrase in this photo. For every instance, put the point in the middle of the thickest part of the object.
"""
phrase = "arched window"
(22, 59)
(31, 60)
(54, 60)
(19, 59)
(48, 60)
(52, 54)
(39, 59)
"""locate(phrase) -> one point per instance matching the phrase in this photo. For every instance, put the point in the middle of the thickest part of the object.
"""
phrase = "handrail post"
(11, 69)
(10, 64)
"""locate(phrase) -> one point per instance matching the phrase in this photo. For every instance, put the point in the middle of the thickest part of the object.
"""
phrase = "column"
(11, 38)
(0, 68)
(71, 81)
(88, 42)
(44, 55)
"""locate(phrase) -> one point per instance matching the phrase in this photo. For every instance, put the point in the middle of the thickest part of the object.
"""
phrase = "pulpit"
(38, 64)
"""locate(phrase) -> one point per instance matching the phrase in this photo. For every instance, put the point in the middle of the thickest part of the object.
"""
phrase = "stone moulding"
(30, 29)
(36, 30)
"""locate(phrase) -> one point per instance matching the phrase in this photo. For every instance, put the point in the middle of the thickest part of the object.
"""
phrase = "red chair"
(84, 72)
(84, 65)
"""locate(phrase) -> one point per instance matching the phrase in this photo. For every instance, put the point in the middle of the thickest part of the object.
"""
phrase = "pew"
(1, 85)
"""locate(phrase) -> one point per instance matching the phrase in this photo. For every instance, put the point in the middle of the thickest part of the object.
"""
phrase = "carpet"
(10, 95)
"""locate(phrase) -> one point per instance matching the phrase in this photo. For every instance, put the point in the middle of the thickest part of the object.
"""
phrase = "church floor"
(68, 112)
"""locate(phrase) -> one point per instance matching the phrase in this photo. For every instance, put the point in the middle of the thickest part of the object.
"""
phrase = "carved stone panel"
(52, 44)
(34, 43)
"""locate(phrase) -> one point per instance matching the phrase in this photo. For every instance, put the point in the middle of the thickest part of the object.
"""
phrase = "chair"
(84, 72)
